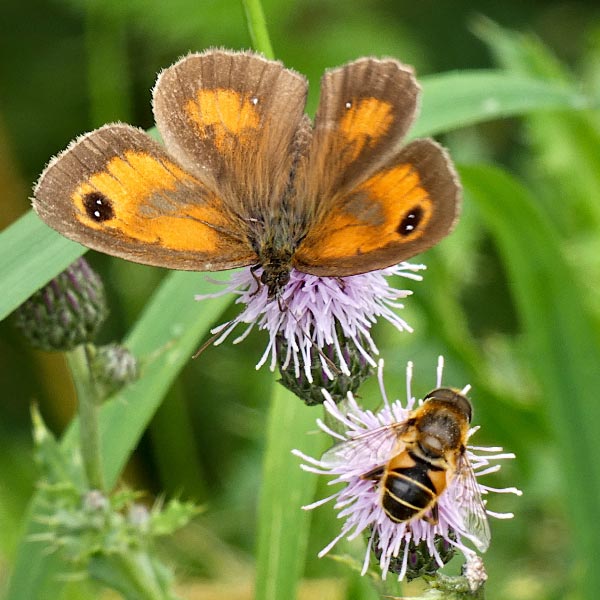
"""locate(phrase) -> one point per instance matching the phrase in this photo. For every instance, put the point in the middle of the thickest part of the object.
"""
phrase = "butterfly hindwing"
(405, 207)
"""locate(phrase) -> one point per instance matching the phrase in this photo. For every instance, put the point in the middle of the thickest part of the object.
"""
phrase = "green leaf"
(283, 525)
(457, 99)
(30, 255)
(521, 53)
(165, 336)
(563, 342)
(566, 144)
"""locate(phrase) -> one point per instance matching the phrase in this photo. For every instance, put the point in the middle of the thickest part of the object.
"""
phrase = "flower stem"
(133, 574)
(255, 18)
(88, 402)
(106, 51)
(283, 527)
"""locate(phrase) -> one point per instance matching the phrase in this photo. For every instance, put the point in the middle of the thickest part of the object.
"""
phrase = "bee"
(417, 459)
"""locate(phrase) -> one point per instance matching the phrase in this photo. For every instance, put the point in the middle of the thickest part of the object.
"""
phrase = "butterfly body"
(246, 179)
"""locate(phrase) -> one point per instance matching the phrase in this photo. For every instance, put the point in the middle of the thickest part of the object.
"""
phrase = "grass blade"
(30, 255)
(283, 525)
(563, 343)
(457, 99)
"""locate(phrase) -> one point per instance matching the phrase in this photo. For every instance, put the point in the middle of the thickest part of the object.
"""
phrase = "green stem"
(255, 18)
(106, 46)
(133, 575)
(283, 526)
(88, 402)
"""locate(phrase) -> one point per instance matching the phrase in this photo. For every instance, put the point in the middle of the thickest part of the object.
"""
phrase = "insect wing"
(368, 449)
(470, 505)
(118, 191)
(405, 207)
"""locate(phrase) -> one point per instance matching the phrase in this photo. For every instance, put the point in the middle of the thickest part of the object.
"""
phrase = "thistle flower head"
(318, 324)
(454, 512)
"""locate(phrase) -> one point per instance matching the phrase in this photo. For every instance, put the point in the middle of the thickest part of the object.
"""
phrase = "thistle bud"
(421, 562)
(66, 312)
(113, 367)
(324, 370)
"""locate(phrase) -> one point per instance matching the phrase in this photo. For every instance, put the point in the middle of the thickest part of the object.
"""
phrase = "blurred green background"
(69, 66)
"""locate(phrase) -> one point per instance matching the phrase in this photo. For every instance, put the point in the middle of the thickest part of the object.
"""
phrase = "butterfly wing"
(406, 206)
(364, 111)
(116, 190)
(233, 118)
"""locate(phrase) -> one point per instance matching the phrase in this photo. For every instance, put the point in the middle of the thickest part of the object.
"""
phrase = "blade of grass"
(110, 98)
(563, 340)
(282, 525)
(566, 144)
(30, 255)
(169, 331)
(165, 337)
(457, 99)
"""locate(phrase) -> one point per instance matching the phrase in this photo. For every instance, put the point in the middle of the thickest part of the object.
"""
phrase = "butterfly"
(245, 178)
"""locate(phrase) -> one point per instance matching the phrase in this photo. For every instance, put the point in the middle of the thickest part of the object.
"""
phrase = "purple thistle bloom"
(308, 310)
(359, 501)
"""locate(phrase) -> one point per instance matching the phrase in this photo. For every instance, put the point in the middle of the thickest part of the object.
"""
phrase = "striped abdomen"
(410, 487)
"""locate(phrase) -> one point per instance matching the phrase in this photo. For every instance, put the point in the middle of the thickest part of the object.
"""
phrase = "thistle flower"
(362, 451)
(317, 321)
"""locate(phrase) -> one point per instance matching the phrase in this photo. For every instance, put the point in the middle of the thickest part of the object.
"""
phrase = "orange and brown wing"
(402, 209)
(365, 109)
(116, 190)
(232, 117)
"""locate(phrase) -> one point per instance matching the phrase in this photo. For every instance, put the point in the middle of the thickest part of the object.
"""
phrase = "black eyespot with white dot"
(98, 207)
(410, 222)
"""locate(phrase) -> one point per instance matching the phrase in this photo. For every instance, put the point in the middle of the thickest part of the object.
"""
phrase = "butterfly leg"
(283, 307)
(256, 278)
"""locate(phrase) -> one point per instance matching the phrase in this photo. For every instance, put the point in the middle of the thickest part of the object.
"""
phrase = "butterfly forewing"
(116, 190)
(233, 116)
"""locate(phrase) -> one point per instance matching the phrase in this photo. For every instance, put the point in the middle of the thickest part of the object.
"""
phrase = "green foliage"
(108, 537)
(511, 298)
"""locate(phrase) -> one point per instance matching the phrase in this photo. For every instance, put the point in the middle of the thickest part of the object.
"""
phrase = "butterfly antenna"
(211, 340)
(204, 346)
(284, 307)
